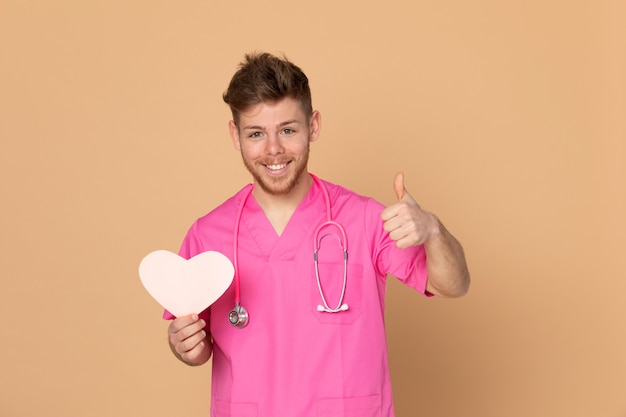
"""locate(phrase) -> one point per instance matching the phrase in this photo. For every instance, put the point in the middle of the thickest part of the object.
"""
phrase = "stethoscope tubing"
(236, 245)
(340, 305)
(239, 315)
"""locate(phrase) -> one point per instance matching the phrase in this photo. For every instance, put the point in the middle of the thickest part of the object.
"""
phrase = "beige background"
(508, 118)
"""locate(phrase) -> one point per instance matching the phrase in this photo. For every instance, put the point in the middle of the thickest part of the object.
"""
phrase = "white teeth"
(276, 167)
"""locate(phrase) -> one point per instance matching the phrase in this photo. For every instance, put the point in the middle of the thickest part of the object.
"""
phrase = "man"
(315, 341)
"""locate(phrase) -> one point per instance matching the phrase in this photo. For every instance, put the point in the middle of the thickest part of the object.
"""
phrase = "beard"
(278, 186)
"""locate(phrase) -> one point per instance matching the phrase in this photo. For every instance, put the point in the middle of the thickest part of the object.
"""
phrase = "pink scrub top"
(291, 359)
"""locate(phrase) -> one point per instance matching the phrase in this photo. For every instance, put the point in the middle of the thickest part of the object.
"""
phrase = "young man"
(315, 341)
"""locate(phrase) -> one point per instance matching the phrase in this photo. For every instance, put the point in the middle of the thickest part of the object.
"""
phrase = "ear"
(315, 126)
(234, 134)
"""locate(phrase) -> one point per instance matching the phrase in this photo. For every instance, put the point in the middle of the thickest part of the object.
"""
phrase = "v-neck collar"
(310, 211)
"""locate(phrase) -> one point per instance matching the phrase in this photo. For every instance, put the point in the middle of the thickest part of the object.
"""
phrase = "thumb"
(398, 186)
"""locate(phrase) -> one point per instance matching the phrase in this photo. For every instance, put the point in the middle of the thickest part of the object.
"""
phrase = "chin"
(278, 185)
(278, 188)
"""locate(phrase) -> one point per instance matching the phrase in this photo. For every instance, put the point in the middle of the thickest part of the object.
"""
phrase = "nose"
(274, 145)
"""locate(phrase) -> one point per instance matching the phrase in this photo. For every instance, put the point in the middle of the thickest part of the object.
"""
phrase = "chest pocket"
(330, 288)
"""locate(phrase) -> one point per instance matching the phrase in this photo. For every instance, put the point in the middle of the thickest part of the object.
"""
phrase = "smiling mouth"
(276, 167)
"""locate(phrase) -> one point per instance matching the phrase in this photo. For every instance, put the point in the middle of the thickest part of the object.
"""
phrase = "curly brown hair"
(263, 77)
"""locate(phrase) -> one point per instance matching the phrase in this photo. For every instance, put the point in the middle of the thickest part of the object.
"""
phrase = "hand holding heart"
(407, 223)
(189, 339)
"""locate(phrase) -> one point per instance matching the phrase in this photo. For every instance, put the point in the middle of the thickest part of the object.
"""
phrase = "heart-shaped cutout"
(184, 286)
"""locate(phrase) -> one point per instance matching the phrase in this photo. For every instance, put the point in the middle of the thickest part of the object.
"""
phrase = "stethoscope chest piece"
(238, 316)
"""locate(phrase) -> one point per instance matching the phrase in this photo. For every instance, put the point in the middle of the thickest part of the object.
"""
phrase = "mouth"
(276, 167)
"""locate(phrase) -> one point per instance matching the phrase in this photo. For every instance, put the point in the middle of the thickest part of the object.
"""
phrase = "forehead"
(272, 113)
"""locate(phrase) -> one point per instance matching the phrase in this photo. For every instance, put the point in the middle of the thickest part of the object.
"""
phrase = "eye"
(288, 131)
(254, 135)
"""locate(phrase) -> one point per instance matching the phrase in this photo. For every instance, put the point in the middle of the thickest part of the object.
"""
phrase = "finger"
(188, 338)
(404, 239)
(191, 342)
(403, 197)
(180, 332)
(401, 191)
(398, 186)
(390, 220)
(191, 355)
(181, 322)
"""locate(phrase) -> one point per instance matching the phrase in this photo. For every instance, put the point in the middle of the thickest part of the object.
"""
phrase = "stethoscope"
(238, 316)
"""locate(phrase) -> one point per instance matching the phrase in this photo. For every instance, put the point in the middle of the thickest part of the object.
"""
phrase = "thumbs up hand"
(407, 223)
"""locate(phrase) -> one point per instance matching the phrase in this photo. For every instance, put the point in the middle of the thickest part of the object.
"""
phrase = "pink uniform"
(292, 360)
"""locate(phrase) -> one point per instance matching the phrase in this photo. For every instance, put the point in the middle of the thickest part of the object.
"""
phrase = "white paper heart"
(186, 286)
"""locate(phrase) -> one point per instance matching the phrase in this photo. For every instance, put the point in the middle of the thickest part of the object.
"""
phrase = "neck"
(279, 208)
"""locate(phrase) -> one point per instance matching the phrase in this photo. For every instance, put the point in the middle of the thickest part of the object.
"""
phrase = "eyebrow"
(282, 124)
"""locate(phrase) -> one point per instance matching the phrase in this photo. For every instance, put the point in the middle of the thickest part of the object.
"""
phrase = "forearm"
(448, 275)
